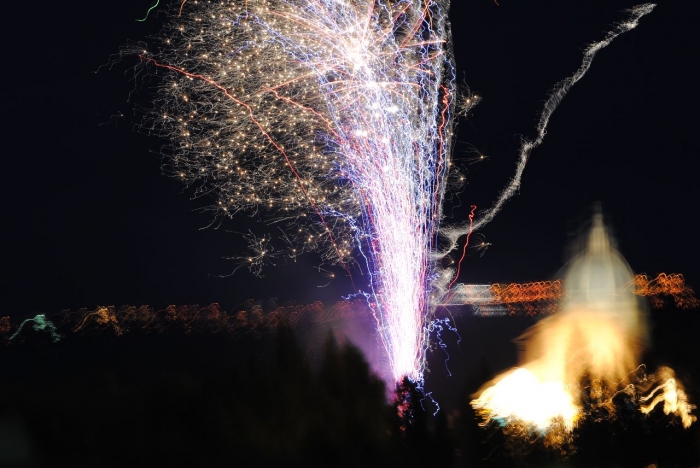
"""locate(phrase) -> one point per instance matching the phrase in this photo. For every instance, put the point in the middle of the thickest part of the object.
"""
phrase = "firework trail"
(333, 120)
(333, 117)
(526, 146)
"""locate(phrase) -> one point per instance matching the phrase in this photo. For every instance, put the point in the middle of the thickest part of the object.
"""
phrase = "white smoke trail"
(453, 233)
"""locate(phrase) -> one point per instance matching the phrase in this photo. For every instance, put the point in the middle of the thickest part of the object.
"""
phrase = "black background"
(89, 219)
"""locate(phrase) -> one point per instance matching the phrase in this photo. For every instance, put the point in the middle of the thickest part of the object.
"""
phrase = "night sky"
(89, 219)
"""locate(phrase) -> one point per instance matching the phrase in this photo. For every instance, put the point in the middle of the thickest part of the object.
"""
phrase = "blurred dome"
(599, 275)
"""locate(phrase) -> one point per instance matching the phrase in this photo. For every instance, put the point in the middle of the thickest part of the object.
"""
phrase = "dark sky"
(89, 219)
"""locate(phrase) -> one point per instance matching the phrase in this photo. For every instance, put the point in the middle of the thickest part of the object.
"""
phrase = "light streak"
(335, 117)
(149, 11)
(103, 316)
(41, 323)
(558, 94)
(438, 326)
(248, 317)
(464, 250)
(541, 297)
(182, 5)
(666, 285)
(674, 398)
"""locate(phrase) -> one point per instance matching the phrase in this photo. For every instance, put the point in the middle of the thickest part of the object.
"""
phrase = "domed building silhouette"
(600, 329)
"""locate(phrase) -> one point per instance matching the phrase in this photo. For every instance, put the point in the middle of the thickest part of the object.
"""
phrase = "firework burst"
(332, 117)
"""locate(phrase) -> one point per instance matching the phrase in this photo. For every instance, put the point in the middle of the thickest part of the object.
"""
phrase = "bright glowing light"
(599, 334)
(335, 117)
(523, 396)
(674, 398)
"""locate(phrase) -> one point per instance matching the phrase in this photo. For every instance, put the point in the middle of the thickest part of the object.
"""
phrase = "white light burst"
(333, 116)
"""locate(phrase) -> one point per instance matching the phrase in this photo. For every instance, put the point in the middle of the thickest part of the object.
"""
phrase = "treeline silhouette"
(269, 399)
(199, 400)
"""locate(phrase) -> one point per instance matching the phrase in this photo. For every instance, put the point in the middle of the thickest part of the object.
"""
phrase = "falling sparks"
(334, 120)
(332, 117)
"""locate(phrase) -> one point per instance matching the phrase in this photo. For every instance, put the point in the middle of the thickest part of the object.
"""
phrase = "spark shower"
(334, 120)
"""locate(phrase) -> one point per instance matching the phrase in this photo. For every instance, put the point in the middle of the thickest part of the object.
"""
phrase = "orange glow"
(526, 292)
(542, 297)
(182, 5)
(598, 334)
(666, 285)
(103, 316)
(674, 398)
(538, 298)
(464, 250)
